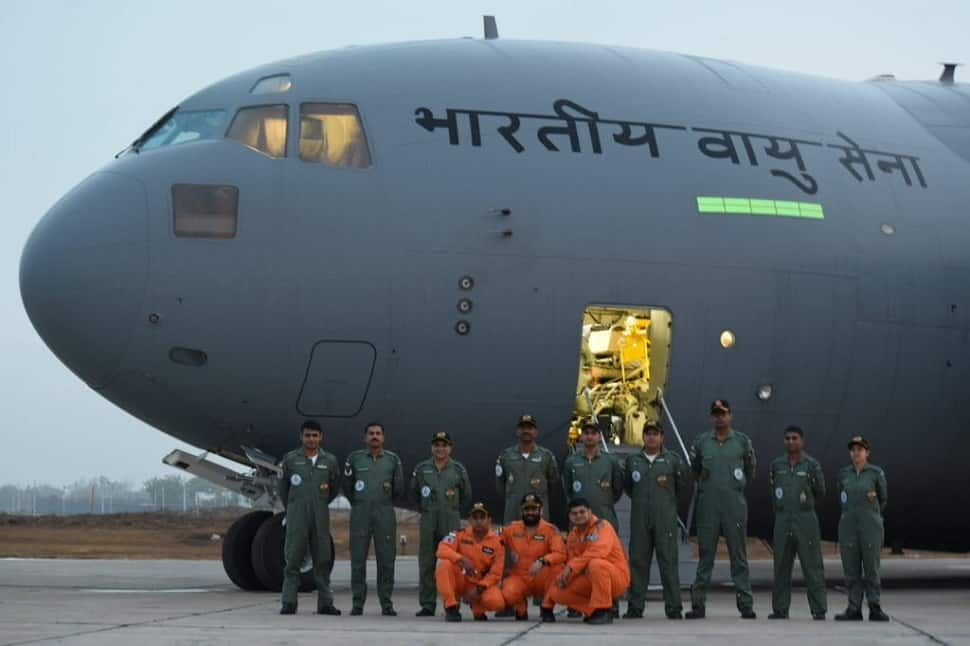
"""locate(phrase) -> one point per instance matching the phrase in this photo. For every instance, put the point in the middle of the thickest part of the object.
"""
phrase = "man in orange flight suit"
(596, 573)
(536, 552)
(473, 560)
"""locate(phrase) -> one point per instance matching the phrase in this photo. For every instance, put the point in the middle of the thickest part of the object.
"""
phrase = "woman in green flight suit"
(863, 495)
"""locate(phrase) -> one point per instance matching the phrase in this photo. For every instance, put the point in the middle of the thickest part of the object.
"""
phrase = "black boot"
(452, 614)
(748, 613)
(850, 614)
(288, 609)
(425, 612)
(697, 612)
(633, 613)
(778, 615)
(876, 613)
(547, 616)
(674, 614)
(328, 610)
(600, 617)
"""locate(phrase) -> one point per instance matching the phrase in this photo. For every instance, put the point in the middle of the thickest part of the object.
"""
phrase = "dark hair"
(795, 429)
(578, 502)
(311, 425)
(378, 424)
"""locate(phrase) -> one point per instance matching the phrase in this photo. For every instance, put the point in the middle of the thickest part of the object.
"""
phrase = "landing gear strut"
(252, 550)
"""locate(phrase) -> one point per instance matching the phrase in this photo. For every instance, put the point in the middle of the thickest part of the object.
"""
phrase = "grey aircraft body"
(435, 277)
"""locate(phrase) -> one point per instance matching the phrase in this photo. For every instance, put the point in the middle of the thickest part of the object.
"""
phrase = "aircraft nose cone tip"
(83, 273)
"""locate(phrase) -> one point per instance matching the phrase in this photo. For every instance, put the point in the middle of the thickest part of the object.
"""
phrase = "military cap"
(653, 426)
(720, 405)
(527, 420)
(479, 507)
(441, 436)
(591, 423)
(861, 441)
(531, 500)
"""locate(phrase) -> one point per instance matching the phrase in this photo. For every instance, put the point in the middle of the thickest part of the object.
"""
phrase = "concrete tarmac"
(81, 602)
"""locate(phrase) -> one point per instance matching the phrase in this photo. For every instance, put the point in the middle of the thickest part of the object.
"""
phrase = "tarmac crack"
(516, 637)
(933, 638)
(136, 624)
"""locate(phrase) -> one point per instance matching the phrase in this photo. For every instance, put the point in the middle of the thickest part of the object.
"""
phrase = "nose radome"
(83, 273)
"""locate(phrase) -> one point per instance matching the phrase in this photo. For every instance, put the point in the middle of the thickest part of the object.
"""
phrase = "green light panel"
(751, 206)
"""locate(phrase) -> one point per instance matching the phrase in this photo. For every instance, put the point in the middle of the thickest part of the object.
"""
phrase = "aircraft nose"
(83, 273)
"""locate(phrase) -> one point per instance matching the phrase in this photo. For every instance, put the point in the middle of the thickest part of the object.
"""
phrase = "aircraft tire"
(267, 557)
(237, 549)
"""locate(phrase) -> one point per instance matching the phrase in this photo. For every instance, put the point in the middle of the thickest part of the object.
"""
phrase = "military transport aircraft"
(430, 234)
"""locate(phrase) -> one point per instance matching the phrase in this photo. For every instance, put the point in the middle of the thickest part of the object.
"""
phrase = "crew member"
(525, 468)
(596, 573)
(440, 489)
(472, 560)
(864, 494)
(594, 475)
(537, 553)
(797, 482)
(656, 480)
(723, 462)
(310, 479)
(373, 481)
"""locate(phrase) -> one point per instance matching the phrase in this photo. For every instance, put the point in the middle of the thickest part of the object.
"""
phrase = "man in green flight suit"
(442, 490)
(525, 468)
(309, 481)
(656, 480)
(797, 482)
(864, 495)
(723, 462)
(373, 480)
(594, 475)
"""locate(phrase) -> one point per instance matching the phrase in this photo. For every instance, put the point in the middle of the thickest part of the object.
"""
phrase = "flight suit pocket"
(706, 467)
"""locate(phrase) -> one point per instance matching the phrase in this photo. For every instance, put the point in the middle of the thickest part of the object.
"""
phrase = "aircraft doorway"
(623, 360)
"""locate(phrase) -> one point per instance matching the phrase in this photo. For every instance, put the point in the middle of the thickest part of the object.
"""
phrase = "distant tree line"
(104, 496)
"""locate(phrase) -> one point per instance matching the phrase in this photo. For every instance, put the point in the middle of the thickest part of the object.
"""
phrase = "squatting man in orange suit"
(536, 555)
(470, 567)
(596, 572)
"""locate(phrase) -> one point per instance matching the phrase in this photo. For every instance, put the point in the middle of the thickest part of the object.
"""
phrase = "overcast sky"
(80, 80)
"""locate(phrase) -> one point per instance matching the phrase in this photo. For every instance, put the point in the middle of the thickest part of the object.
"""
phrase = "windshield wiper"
(135, 146)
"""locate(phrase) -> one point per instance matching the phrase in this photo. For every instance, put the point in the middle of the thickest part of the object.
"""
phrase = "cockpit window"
(331, 134)
(185, 126)
(272, 84)
(262, 128)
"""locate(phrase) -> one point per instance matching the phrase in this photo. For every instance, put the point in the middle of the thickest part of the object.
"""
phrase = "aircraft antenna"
(491, 28)
(949, 72)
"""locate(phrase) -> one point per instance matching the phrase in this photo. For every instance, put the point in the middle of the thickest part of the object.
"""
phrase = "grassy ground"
(192, 535)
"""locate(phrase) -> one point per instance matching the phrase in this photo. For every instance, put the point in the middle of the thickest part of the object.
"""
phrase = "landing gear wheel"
(267, 557)
(237, 547)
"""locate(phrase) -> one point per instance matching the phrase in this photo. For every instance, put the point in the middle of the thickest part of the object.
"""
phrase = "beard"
(530, 520)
